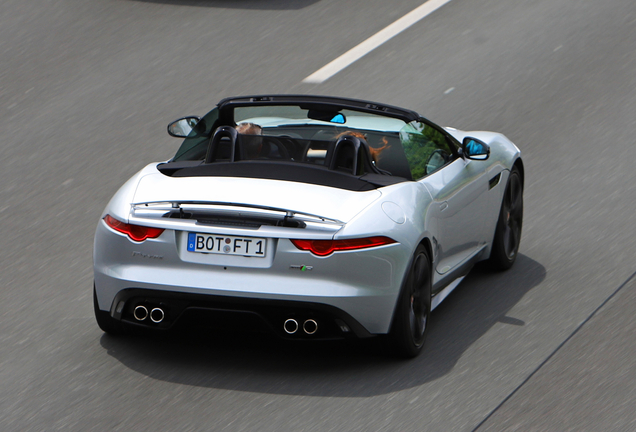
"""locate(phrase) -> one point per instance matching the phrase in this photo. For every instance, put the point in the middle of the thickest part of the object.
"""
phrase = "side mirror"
(182, 127)
(472, 148)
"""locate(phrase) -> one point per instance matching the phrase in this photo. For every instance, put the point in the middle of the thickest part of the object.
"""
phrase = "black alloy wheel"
(413, 309)
(508, 231)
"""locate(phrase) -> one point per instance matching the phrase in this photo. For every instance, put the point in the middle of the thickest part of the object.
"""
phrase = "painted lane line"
(374, 41)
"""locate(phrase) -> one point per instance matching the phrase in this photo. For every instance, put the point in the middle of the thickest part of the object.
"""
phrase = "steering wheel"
(275, 142)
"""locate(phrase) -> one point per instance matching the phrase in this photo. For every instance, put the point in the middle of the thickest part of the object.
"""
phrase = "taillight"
(135, 232)
(326, 247)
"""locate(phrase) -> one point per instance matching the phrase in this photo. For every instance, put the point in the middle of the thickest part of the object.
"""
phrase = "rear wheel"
(508, 232)
(105, 321)
(411, 320)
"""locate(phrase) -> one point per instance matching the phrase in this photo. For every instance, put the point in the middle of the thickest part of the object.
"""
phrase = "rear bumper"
(231, 313)
(360, 289)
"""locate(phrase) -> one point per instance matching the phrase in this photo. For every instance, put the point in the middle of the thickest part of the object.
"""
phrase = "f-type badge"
(145, 255)
(301, 267)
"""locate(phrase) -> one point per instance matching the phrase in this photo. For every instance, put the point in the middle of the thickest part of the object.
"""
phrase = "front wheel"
(411, 320)
(508, 232)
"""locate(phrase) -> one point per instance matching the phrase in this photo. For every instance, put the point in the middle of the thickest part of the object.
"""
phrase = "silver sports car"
(314, 217)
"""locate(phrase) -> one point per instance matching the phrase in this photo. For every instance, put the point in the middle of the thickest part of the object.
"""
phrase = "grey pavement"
(587, 384)
(86, 91)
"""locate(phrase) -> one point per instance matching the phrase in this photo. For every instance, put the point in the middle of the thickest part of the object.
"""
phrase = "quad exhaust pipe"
(156, 314)
(310, 326)
(140, 313)
(291, 326)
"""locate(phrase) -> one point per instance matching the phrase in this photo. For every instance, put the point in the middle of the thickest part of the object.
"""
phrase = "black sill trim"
(272, 312)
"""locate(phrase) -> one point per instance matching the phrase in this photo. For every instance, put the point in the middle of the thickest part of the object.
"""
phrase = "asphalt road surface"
(86, 90)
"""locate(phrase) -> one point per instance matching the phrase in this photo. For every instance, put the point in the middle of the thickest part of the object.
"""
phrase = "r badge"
(301, 267)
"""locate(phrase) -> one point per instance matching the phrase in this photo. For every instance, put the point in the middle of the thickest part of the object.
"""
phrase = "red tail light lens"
(326, 247)
(135, 232)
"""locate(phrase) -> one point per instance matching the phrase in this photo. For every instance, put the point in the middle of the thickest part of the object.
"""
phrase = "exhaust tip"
(157, 315)
(140, 313)
(310, 326)
(290, 326)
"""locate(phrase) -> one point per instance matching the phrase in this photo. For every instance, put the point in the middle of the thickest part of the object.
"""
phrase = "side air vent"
(494, 181)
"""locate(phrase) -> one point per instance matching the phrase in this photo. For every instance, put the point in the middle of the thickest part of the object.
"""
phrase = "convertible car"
(311, 217)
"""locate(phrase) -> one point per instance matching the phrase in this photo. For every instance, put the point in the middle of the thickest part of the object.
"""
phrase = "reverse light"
(135, 232)
(326, 247)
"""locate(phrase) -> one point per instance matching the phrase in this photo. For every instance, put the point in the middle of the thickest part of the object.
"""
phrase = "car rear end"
(280, 260)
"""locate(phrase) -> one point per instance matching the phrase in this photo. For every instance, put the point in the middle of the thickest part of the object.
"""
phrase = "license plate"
(227, 245)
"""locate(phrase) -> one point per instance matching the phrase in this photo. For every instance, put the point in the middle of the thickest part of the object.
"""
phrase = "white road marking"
(374, 41)
(449, 90)
(557, 48)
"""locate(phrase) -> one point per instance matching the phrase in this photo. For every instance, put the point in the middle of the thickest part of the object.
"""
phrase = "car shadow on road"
(239, 4)
(264, 364)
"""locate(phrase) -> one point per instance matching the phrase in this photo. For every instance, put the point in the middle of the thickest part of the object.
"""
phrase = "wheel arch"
(426, 242)
(518, 163)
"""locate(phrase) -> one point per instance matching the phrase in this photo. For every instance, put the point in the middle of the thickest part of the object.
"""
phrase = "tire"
(508, 231)
(410, 323)
(105, 321)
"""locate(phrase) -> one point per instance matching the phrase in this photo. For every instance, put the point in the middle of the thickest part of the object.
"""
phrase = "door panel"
(458, 190)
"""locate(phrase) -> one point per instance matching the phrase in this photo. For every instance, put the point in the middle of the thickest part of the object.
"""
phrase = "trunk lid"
(322, 201)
